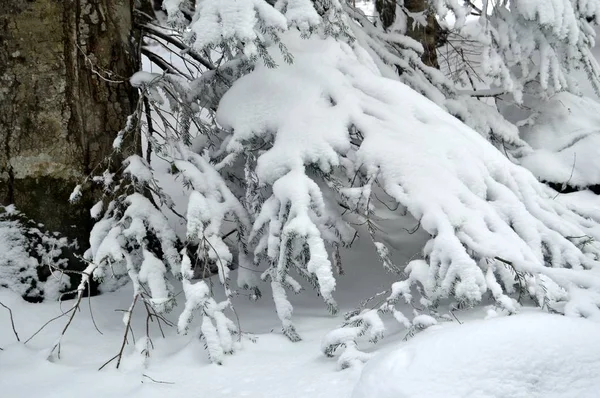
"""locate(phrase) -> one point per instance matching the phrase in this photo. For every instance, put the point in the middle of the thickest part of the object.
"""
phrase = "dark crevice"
(566, 188)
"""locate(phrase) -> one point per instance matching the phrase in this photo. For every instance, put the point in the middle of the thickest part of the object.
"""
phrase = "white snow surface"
(271, 367)
(528, 355)
(221, 20)
(565, 136)
(522, 356)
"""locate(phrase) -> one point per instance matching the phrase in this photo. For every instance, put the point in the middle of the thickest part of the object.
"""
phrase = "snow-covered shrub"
(527, 60)
(32, 260)
(297, 114)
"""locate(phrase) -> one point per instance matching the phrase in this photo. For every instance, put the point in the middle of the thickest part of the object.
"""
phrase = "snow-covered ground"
(271, 366)
(527, 355)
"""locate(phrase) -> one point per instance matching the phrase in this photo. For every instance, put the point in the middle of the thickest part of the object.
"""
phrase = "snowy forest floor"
(479, 355)
(271, 366)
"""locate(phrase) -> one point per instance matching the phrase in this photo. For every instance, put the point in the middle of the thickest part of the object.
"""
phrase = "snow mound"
(529, 355)
(565, 136)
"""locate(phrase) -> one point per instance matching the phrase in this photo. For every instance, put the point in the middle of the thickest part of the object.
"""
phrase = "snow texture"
(233, 21)
(119, 246)
(315, 130)
(539, 41)
(177, 364)
(564, 132)
(299, 12)
(391, 51)
(522, 356)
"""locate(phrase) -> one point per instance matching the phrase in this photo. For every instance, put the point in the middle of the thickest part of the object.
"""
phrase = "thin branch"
(100, 73)
(483, 93)
(473, 6)
(150, 129)
(90, 307)
(12, 321)
(107, 362)
(157, 381)
(179, 44)
(47, 323)
(76, 306)
(162, 63)
(571, 176)
(119, 355)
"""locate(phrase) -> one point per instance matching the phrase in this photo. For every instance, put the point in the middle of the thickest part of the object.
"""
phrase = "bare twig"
(454, 315)
(566, 183)
(415, 228)
(12, 321)
(157, 381)
(102, 74)
(179, 44)
(90, 307)
(119, 355)
(47, 323)
(85, 282)
(163, 64)
(107, 362)
(477, 9)
(483, 93)
(73, 311)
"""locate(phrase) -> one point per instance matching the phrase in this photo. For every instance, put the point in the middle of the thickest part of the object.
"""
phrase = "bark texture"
(64, 95)
(430, 36)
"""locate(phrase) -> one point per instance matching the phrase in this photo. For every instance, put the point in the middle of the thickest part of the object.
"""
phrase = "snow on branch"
(232, 21)
(488, 218)
(398, 57)
(349, 109)
(539, 40)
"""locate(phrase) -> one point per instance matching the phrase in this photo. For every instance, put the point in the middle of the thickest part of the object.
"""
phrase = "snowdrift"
(524, 356)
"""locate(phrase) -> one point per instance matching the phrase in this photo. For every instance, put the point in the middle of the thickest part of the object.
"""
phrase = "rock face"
(64, 95)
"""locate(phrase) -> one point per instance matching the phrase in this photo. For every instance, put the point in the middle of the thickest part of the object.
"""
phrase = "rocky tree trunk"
(64, 95)
(430, 36)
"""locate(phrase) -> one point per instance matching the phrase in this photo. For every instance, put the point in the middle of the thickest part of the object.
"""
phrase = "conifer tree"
(294, 116)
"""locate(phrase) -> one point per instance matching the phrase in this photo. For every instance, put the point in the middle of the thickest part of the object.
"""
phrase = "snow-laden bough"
(495, 230)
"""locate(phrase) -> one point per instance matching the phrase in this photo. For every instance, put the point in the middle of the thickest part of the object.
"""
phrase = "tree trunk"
(429, 36)
(64, 95)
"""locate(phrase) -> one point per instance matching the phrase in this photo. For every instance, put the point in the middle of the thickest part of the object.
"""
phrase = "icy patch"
(533, 355)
